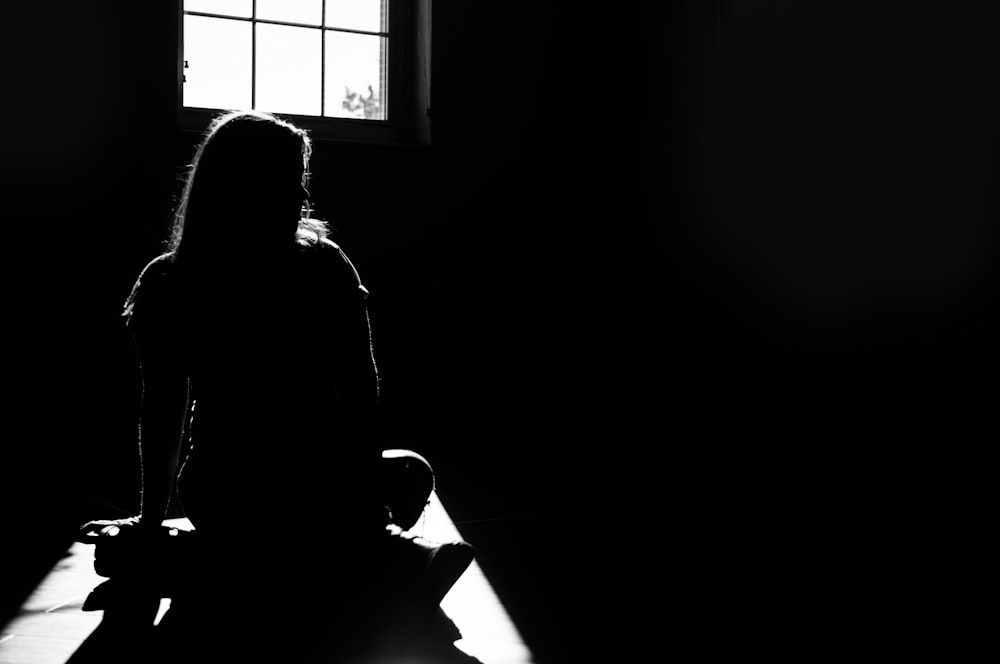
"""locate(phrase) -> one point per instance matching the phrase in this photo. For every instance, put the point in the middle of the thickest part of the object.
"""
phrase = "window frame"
(408, 109)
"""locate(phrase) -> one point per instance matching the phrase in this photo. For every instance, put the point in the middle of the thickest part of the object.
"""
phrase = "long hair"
(248, 165)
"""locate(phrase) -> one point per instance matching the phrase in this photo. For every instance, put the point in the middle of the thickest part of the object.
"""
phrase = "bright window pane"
(292, 11)
(355, 76)
(355, 14)
(288, 69)
(217, 52)
(242, 8)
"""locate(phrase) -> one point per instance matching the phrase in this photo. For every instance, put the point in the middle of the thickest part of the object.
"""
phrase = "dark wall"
(85, 186)
(655, 259)
(505, 264)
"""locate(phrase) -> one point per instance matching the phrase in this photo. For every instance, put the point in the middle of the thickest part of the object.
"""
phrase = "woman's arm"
(358, 382)
(151, 318)
(162, 415)
(357, 376)
(163, 409)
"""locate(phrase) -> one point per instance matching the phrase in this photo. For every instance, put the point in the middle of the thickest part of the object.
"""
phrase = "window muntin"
(239, 8)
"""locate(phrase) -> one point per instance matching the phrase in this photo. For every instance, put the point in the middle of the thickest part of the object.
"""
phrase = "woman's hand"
(92, 531)
(126, 547)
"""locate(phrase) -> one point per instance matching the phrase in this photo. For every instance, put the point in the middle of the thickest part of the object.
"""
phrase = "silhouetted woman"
(258, 378)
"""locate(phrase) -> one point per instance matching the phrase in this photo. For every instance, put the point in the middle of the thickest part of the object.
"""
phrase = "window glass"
(355, 75)
(288, 69)
(217, 56)
(355, 14)
(309, 12)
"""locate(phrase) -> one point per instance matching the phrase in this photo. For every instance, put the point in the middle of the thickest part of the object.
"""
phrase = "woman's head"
(246, 187)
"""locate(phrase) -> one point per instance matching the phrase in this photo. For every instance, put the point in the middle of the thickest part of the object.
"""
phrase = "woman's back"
(272, 349)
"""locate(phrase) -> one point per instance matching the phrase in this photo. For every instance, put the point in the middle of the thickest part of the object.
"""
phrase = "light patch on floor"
(487, 630)
(51, 624)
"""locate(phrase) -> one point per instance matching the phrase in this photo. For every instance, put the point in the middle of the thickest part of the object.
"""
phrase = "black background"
(691, 302)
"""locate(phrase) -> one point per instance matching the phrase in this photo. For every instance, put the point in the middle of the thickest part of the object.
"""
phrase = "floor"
(51, 623)
(554, 534)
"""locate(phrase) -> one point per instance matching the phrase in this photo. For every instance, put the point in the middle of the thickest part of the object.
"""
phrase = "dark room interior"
(690, 304)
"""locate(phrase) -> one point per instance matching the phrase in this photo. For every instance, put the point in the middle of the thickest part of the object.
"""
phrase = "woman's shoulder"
(151, 283)
(328, 247)
(330, 253)
(159, 267)
(156, 273)
(336, 264)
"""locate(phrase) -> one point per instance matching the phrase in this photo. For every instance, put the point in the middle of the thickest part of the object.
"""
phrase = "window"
(341, 68)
